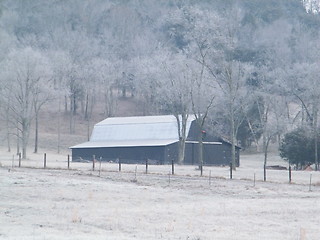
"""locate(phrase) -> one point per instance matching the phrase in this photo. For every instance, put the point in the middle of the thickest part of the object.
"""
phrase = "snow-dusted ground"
(56, 203)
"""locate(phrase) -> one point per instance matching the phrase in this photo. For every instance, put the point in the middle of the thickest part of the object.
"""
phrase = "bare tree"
(41, 96)
(202, 98)
(176, 96)
(26, 69)
(61, 66)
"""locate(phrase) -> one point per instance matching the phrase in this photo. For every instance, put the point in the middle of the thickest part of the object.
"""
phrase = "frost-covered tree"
(175, 95)
(61, 65)
(231, 74)
(26, 73)
(312, 6)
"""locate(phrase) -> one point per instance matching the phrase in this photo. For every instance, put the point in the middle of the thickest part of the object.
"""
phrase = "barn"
(136, 139)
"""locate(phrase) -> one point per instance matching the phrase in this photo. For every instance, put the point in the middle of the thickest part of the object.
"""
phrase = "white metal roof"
(212, 143)
(140, 119)
(125, 143)
(135, 131)
(137, 128)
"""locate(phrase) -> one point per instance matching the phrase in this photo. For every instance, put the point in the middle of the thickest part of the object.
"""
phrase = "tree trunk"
(74, 104)
(72, 113)
(8, 140)
(233, 144)
(231, 92)
(86, 108)
(36, 132)
(24, 138)
(181, 152)
(88, 129)
(315, 131)
(200, 152)
(65, 104)
(71, 122)
(59, 127)
(109, 102)
(18, 141)
(182, 128)
(8, 131)
(265, 149)
(233, 134)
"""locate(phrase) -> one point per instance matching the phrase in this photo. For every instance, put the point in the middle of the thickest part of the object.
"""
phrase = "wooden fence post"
(45, 160)
(119, 165)
(172, 167)
(231, 170)
(147, 166)
(264, 172)
(100, 166)
(310, 182)
(135, 174)
(93, 162)
(68, 161)
(289, 174)
(19, 159)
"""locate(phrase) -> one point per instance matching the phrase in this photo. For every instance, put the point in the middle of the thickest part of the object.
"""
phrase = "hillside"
(241, 64)
(49, 122)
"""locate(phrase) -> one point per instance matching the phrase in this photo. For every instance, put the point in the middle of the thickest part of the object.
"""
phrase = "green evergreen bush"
(297, 147)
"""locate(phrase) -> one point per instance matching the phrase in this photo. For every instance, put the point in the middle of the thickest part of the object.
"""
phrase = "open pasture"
(79, 203)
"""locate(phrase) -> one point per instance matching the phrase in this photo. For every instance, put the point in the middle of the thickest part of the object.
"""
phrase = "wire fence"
(170, 171)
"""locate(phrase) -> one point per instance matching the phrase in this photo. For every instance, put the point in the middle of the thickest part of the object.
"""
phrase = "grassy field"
(79, 203)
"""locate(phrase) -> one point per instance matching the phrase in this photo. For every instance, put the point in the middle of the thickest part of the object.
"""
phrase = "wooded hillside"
(247, 69)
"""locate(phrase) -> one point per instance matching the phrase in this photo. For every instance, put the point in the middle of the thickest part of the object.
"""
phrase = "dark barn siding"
(155, 154)
(213, 154)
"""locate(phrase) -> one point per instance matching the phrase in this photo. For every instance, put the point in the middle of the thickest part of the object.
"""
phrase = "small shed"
(136, 139)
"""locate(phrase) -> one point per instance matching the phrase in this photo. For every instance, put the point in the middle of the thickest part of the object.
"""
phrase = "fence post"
(172, 167)
(231, 170)
(45, 160)
(93, 162)
(68, 161)
(119, 165)
(19, 159)
(264, 173)
(289, 174)
(147, 166)
(135, 173)
(201, 170)
(100, 166)
(310, 182)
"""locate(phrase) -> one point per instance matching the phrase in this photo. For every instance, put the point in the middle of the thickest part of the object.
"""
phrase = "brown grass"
(49, 122)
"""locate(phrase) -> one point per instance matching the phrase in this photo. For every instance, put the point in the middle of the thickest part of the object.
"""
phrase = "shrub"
(297, 147)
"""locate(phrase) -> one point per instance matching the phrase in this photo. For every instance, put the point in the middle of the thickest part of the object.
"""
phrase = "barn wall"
(155, 154)
(212, 154)
(171, 153)
(194, 132)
